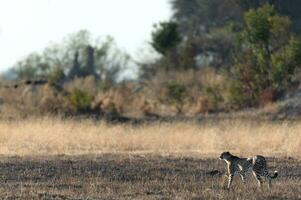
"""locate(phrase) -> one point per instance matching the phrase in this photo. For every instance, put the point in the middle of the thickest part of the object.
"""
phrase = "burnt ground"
(123, 176)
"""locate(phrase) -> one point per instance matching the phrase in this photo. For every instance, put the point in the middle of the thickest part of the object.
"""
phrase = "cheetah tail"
(275, 175)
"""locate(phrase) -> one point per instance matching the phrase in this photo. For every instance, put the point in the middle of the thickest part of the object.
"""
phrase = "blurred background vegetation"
(215, 56)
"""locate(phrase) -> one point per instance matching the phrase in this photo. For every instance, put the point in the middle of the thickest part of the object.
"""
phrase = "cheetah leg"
(230, 181)
(258, 178)
(243, 178)
(269, 178)
(269, 182)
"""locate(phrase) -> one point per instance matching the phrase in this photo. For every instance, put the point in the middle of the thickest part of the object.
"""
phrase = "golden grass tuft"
(53, 136)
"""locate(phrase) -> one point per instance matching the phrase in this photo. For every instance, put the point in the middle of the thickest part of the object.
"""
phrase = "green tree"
(165, 40)
(165, 37)
(85, 56)
(198, 17)
(32, 66)
(89, 63)
(290, 8)
(270, 55)
(77, 55)
(201, 16)
(214, 25)
(75, 70)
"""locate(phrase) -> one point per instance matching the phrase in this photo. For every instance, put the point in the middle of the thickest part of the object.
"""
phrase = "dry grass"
(53, 136)
(195, 82)
(151, 161)
(128, 98)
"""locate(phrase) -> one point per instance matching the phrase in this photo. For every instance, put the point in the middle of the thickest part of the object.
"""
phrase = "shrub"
(267, 96)
(214, 97)
(240, 95)
(202, 105)
(80, 100)
(267, 60)
(146, 108)
(56, 76)
(176, 95)
(108, 105)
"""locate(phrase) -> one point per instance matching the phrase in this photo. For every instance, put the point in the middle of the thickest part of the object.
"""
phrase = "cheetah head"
(225, 155)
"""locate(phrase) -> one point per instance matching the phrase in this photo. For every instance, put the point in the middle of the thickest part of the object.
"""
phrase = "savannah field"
(52, 158)
(86, 118)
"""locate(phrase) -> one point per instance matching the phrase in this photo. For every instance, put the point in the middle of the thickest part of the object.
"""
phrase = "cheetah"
(256, 164)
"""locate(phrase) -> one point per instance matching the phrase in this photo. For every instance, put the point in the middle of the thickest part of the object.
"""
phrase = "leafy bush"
(269, 56)
(239, 95)
(267, 96)
(214, 97)
(176, 94)
(56, 75)
(80, 99)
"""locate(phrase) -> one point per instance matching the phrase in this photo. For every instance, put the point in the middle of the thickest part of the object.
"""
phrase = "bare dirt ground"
(129, 176)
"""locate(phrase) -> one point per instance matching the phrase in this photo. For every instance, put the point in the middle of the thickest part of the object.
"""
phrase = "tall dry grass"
(50, 136)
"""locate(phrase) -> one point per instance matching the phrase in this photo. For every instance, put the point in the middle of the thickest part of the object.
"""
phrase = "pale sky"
(29, 25)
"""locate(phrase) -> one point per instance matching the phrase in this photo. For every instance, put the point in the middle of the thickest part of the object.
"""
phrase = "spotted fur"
(240, 166)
